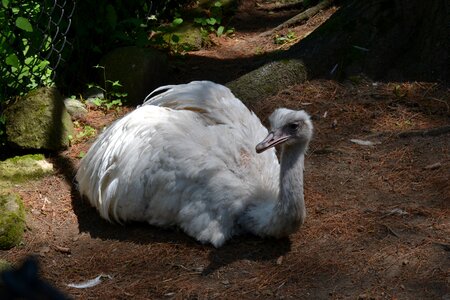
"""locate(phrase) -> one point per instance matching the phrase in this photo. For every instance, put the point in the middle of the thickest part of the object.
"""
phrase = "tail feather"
(211, 100)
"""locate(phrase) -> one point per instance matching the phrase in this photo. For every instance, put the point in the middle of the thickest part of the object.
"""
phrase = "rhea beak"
(274, 138)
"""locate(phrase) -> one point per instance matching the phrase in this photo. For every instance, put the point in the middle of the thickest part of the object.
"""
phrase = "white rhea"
(187, 157)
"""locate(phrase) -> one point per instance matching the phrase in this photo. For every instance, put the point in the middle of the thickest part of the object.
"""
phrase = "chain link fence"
(33, 43)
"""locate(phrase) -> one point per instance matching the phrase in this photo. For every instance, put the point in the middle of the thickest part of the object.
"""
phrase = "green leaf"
(220, 30)
(200, 21)
(24, 24)
(97, 101)
(175, 38)
(116, 83)
(12, 60)
(177, 21)
(5, 3)
(218, 4)
(211, 21)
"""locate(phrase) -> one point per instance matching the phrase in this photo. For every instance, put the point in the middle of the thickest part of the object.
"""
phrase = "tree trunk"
(268, 80)
(383, 39)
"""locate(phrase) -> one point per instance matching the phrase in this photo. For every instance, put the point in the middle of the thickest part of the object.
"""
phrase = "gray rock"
(39, 120)
(75, 108)
(139, 70)
(12, 220)
(93, 93)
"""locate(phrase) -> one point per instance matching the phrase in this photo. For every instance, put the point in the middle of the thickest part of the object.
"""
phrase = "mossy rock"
(190, 37)
(21, 168)
(12, 220)
(268, 80)
(39, 120)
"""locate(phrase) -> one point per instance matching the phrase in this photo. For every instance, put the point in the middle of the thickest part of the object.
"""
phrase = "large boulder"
(138, 70)
(39, 120)
(12, 220)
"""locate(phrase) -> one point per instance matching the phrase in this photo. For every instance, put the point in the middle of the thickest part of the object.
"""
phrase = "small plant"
(259, 51)
(81, 154)
(399, 91)
(164, 36)
(113, 95)
(284, 39)
(84, 132)
(213, 22)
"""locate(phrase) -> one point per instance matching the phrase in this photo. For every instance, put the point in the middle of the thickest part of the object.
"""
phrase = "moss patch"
(21, 168)
(190, 37)
(12, 220)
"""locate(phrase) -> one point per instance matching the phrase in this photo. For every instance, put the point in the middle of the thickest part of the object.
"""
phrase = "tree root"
(429, 132)
(413, 133)
(283, 6)
(310, 12)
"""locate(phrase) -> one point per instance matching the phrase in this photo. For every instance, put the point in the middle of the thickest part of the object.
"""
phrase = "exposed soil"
(378, 223)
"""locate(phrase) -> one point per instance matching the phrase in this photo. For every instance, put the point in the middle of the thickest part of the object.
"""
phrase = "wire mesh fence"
(33, 43)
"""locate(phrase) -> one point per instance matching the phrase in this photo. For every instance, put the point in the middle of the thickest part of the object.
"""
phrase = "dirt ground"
(378, 217)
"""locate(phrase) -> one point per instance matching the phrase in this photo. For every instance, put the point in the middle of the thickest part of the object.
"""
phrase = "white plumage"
(187, 157)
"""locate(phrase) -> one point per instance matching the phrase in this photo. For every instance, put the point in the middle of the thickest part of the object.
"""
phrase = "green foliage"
(213, 22)
(22, 66)
(163, 36)
(113, 95)
(86, 133)
(81, 154)
(108, 24)
(284, 39)
(103, 25)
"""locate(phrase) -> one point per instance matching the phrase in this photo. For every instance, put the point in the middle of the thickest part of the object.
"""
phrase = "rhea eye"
(293, 126)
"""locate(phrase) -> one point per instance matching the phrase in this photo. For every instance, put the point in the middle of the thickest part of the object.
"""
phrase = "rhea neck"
(291, 204)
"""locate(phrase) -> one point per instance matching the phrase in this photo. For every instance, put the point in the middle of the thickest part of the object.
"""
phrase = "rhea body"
(187, 157)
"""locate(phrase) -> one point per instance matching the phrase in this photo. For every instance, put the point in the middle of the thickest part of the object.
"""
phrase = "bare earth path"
(378, 224)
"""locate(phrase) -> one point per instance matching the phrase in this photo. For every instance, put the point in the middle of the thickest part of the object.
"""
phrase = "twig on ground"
(433, 166)
(442, 101)
(446, 247)
(428, 132)
(413, 133)
(391, 231)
